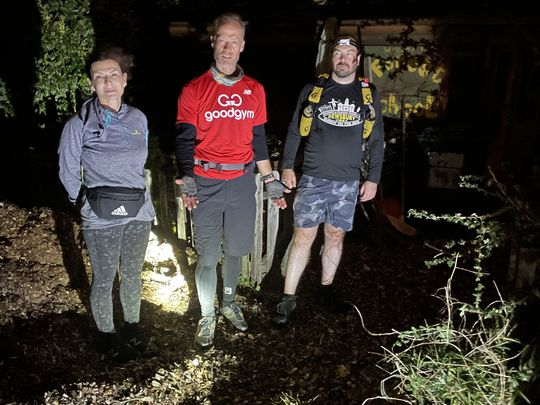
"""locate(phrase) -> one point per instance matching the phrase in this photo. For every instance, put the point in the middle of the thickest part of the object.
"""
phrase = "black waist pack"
(115, 202)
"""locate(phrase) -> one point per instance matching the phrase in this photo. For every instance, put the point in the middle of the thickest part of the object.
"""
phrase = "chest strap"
(221, 166)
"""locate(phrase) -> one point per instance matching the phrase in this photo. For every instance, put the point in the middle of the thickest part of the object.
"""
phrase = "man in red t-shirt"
(220, 138)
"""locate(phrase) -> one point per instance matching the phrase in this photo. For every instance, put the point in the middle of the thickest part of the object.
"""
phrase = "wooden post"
(181, 215)
(256, 254)
(272, 225)
(149, 185)
(162, 193)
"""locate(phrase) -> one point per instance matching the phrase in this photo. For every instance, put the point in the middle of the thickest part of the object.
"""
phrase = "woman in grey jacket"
(102, 154)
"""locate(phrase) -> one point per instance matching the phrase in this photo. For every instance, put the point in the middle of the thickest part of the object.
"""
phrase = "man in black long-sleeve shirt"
(340, 120)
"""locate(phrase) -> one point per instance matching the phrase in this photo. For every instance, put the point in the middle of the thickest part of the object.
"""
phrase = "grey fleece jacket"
(101, 147)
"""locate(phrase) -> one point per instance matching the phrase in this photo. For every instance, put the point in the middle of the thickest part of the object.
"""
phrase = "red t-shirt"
(224, 117)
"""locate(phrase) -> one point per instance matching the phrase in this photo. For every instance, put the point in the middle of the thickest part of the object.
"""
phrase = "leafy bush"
(472, 356)
(67, 38)
(6, 107)
(464, 362)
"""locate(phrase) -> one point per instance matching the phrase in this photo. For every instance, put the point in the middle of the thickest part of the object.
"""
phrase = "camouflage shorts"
(320, 200)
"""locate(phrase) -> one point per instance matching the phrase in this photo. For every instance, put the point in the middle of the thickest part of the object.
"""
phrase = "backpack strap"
(86, 108)
(313, 100)
(367, 99)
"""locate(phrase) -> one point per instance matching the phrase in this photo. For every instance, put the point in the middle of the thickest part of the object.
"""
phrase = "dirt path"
(46, 355)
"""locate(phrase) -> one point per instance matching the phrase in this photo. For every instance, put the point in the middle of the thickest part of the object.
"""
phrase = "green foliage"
(246, 282)
(286, 398)
(6, 107)
(464, 362)
(471, 356)
(67, 38)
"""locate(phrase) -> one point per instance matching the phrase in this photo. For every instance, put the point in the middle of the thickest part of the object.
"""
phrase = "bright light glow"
(163, 283)
(159, 252)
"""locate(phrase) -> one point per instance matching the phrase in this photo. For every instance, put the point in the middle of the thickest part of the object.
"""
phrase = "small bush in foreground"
(471, 357)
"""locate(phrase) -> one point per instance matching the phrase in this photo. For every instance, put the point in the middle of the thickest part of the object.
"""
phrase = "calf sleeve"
(232, 265)
(206, 281)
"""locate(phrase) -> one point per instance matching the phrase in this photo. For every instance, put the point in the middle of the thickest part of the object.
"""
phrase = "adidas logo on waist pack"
(120, 211)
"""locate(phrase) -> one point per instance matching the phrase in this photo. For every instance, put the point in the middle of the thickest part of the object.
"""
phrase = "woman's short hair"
(116, 53)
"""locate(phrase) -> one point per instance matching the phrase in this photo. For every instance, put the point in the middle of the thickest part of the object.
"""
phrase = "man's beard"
(343, 73)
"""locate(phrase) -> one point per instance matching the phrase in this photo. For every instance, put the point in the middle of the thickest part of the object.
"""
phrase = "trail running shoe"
(115, 348)
(234, 314)
(134, 334)
(204, 336)
(284, 310)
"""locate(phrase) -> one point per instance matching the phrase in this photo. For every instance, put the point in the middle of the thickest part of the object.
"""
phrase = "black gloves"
(274, 187)
(189, 187)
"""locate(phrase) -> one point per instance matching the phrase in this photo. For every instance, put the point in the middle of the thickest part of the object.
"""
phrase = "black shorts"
(226, 212)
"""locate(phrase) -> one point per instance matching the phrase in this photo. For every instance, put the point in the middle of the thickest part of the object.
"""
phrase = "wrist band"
(269, 176)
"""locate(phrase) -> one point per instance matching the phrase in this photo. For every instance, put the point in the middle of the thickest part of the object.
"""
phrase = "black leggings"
(116, 249)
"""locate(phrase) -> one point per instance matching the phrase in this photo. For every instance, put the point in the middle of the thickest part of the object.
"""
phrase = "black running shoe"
(115, 348)
(284, 310)
(134, 334)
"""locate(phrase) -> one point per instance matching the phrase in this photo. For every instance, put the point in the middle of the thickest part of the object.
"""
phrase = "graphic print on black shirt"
(341, 114)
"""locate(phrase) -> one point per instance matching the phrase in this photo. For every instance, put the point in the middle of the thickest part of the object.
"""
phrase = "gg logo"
(225, 101)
